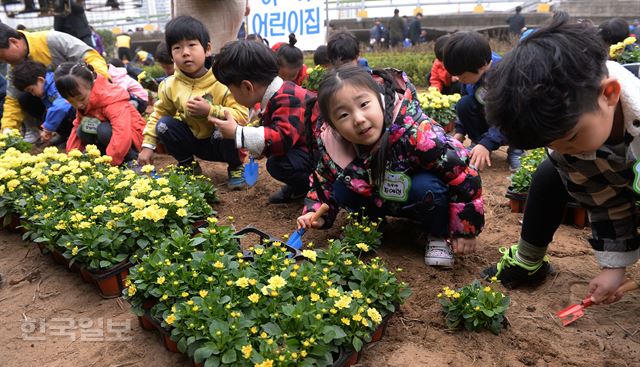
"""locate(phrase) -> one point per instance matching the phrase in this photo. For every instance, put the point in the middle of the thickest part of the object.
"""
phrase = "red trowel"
(574, 312)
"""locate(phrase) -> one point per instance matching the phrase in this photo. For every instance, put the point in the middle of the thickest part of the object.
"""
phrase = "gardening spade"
(295, 240)
(574, 312)
(251, 172)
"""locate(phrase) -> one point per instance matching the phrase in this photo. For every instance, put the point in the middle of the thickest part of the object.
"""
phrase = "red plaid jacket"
(283, 120)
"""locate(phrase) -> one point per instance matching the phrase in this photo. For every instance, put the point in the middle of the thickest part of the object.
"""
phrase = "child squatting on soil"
(104, 115)
(250, 69)
(378, 151)
(556, 89)
(186, 99)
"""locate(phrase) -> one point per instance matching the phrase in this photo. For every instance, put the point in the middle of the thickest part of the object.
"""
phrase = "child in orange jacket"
(105, 117)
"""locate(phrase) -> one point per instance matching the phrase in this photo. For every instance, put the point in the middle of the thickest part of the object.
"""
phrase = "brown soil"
(36, 289)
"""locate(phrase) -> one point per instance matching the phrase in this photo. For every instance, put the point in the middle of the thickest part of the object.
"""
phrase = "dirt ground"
(38, 299)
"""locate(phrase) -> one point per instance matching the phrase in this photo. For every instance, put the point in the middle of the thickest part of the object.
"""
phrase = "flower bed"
(226, 307)
(93, 214)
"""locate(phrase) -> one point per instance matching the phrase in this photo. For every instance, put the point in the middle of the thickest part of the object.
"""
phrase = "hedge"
(417, 64)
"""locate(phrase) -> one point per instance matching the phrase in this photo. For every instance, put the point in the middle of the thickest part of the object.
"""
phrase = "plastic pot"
(346, 358)
(379, 332)
(111, 281)
(517, 200)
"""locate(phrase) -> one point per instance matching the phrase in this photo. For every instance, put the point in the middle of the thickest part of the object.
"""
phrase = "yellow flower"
(160, 280)
(456, 295)
(258, 251)
(266, 363)
(181, 212)
(309, 254)
(242, 282)
(74, 251)
(343, 302)
(195, 308)
(246, 351)
(276, 282)
(629, 41)
(357, 317)
(487, 289)
(477, 308)
(314, 297)
(356, 294)
(254, 297)
(170, 319)
(374, 315)
(494, 279)
(218, 265)
(345, 321)
(203, 293)
(333, 292)
(184, 294)
(362, 246)
(164, 297)
(131, 290)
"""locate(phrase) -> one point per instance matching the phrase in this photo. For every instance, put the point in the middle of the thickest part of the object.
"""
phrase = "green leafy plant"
(474, 306)
(625, 52)
(521, 178)
(13, 139)
(438, 106)
(361, 234)
(314, 76)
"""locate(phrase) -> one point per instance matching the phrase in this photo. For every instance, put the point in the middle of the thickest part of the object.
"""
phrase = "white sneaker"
(31, 136)
(438, 253)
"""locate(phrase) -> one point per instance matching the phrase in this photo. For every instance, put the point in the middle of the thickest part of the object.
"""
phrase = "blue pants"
(183, 145)
(102, 138)
(293, 169)
(428, 204)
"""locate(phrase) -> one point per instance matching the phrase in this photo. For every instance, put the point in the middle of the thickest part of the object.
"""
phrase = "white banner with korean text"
(275, 19)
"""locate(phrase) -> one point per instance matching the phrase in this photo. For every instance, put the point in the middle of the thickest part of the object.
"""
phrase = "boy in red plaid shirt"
(250, 70)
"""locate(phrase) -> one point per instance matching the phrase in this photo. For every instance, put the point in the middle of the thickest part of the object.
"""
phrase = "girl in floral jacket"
(378, 151)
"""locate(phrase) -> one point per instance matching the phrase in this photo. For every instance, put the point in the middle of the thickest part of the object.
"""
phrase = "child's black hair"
(289, 55)
(343, 48)
(321, 56)
(7, 32)
(163, 55)
(614, 30)
(184, 28)
(258, 38)
(355, 76)
(116, 62)
(438, 46)
(541, 88)
(466, 52)
(245, 60)
(26, 73)
(67, 75)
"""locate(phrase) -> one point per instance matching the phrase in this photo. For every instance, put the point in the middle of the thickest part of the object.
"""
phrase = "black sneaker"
(513, 274)
(286, 194)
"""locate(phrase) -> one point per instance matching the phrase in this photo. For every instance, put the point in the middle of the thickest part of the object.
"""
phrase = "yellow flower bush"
(625, 52)
(440, 107)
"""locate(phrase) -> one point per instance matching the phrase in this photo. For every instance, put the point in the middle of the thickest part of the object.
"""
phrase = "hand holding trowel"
(295, 240)
(574, 312)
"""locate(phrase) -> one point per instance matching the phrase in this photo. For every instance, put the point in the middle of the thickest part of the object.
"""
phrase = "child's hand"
(479, 157)
(198, 107)
(227, 126)
(459, 137)
(463, 245)
(45, 135)
(602, 288)
(145, 156)
(304, 221)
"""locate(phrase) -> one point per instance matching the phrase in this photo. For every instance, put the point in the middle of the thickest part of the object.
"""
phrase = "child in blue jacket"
(32, 77)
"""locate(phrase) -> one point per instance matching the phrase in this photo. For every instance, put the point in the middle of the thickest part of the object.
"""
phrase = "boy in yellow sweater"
(185, 101)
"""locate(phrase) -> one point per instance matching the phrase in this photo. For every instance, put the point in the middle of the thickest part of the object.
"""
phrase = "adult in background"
(415, 28)
(396, 29)
(75, 23)
(377, 34)
(516, 23)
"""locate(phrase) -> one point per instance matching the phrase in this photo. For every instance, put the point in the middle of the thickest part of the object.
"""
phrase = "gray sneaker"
(32, 136)
(438, 253)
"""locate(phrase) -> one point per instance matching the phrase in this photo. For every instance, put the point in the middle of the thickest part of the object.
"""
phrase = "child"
(250, 69)
(138, 96)
(163, 58)
(383, 154)
(291, 61)
(123, 44)
(343, 48)
(468, 56)
(556, 89)
(32, 77)
(321, 57)
(50, 48)
(439, 76)
(186, 99)
(105, 117)
(613, 30)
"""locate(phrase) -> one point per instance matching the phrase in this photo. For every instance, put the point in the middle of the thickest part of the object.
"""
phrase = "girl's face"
(189, 56)
(357, 115)
(81, 100)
